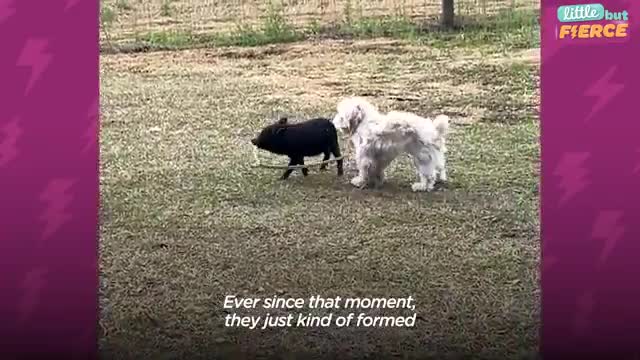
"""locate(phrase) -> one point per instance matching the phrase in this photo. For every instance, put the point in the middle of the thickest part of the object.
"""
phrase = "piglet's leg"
(327, 155)
(336, 153)
(288, 172)
(305, 171)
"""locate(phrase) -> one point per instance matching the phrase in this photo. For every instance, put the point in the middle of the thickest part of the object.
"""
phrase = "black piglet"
(299, 140)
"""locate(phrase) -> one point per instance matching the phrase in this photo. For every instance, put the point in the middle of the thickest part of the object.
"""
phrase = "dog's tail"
(441, 122)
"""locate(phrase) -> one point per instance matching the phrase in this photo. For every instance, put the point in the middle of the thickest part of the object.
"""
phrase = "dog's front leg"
(426, 183)
(442, 175)
(364, 167)
(358, 180)
(441, 168)
(426, 173)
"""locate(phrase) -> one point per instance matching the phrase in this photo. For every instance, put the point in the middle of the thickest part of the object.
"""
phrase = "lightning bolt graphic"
(57, 199)
(35, 56)
(603, 91)
(607, 227)
(7, 10)
(91, 134)
(584, 308)
(574, 32)
(9, 135)
(32, 284)
(572, 173)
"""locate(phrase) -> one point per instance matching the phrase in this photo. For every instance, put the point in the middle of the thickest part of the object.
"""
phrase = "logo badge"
(604, 23)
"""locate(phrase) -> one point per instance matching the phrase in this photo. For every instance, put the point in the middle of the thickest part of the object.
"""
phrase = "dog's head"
(351, 113)
(270, 136)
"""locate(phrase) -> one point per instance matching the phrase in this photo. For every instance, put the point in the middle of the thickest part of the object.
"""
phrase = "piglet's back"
(310, 138)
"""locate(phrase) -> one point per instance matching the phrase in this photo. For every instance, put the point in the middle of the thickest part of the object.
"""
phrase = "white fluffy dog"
(379, 138)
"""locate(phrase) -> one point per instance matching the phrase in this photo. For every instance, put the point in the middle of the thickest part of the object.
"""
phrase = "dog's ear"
(283, 120)
(280, 130)
(356, 117)
(353, 122)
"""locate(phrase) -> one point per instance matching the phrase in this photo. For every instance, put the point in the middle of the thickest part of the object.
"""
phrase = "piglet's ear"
(282, 121)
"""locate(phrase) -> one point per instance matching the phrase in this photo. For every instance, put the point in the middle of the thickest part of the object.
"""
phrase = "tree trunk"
(447, 19)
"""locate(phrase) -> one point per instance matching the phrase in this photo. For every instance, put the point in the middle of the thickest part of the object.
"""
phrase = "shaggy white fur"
(379, 138)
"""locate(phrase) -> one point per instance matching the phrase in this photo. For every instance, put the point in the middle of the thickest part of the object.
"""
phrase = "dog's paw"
(358, 182)
(421, 187)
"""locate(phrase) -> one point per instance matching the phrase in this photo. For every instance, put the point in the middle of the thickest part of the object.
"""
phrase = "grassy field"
(187, 220)
(171, 23)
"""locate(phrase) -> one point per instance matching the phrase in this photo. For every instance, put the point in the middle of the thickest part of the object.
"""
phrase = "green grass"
(275, 29)
(166, 9)
(123, 5)
(510, 30)
(186, 219)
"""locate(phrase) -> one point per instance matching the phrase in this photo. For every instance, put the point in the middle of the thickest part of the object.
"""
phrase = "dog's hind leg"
(376, 179)
(377, 169)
